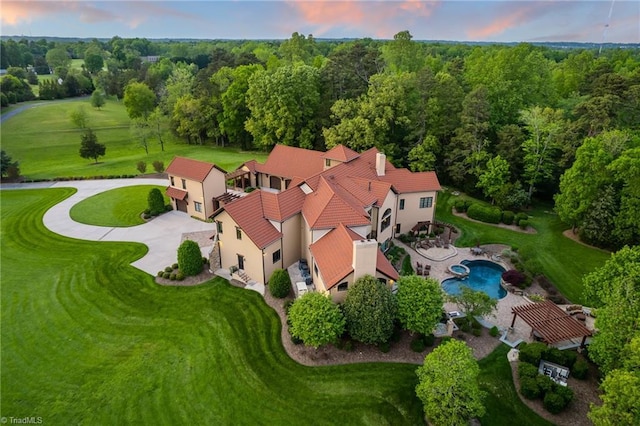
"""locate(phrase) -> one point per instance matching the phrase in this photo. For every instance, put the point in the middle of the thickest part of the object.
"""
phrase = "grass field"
(564, 261)
(88, 339)
(46, 144)
(503, 405)
(117, 207)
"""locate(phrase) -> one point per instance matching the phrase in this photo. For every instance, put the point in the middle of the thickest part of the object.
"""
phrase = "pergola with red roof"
(550, 322)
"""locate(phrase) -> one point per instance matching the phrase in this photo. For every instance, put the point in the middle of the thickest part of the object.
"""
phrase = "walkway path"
(161, 235)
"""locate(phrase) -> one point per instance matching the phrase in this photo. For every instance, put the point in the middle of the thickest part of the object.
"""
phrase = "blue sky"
(477, 20)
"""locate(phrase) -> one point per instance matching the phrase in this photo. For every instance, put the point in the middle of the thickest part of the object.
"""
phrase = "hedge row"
(490, 214)
(61, 178)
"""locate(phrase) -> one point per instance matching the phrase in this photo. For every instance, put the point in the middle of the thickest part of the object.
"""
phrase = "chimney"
(364, 258)
(381, 161)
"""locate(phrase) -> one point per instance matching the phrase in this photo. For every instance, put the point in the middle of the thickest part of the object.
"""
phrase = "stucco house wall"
(231, 247)
(412, 213)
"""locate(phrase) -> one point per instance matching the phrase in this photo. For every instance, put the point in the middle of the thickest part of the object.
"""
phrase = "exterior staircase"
(246, 278)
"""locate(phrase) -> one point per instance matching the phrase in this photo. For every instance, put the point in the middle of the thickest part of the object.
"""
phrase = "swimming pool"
(483, 276)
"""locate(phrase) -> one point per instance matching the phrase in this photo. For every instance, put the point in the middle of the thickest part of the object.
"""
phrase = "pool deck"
(440, 259)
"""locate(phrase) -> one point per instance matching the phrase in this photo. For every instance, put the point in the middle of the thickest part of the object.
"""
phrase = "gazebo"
(550, 323)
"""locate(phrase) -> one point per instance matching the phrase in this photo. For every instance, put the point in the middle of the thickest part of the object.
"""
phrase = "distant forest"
(506, 122)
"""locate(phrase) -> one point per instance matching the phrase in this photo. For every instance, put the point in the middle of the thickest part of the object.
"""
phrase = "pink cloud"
(365, 16)
(503, 23)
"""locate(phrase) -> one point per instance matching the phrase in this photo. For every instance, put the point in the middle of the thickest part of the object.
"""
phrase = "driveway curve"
(161, 235)
(7, 115)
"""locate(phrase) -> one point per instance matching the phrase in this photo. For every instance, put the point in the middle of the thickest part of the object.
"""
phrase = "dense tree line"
(503, 122)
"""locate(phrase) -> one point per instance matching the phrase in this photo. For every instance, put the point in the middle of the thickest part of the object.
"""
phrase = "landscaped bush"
(141, 166)
(166, 275)
(493, 331)
(477, 332)
(507, 217)
(460, 206)
(465, 327)
(557, 400)
(532, 352)
(158, 166)
(280, 284)
(429, 339)
(513, 277)
(160, 273)
(580, 369)
(565, 358)
(484, 214)
(520, 216)
(172, 277)
(174, 266)
(417, 344)
(155, 202)
(179, 276)
(475, 324)
(523, 224)
(545, 384)
(168, 269)
(527, 370)
(189, 258)
(529, 388)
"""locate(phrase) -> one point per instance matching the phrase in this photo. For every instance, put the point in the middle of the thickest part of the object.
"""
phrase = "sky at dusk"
(476, 20)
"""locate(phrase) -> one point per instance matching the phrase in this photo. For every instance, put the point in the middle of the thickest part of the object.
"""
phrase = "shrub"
(155, 201)
(493, 331)
(189, 258)
(477, 332)
(523, 224)
(417, 344)
(527, 370)
(460, 206)
(168, 269)
(570, 358)
(465, 327)
(529, 388)
(580, 369)
(557, 400)
(475, 324)
(141, 166)
(513, 277)
(166, 275)
(179, 276)
(507, 217)
(158, 166)
(160, 273)
(484, 214)
(545, 384)
(316, 320)
(429, 339)
(172, 277)
(204, 260)
(279, 284)
(520, 216)
(532, 352)
(407, 269)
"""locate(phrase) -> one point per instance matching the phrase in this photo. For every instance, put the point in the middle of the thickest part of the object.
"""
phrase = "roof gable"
(248, 213)
(341, 153)
(288, 161)
(323, 209)
(191, 169)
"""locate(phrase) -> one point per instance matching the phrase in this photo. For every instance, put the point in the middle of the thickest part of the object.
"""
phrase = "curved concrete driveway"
(161, 235)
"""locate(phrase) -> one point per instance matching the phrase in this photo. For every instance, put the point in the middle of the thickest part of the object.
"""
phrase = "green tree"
(6, 163)
(93, 62)
(599, 222)
(620, 400)
(89, 146)
(316, 320)
(283, 105)
(402, 54)
(141, 132)
(58, 58)
(79, 117)
(189, 257)
(97, 99)
(155, 201)
(139, 100)
(541, 148)
(280, 283)
(448, 385)
(615, 290)
(370, 310)
(298, 48)
(422, 157)
(189, 114)
(157, 123)
(494, 178)
(474, 303)
(419, 303)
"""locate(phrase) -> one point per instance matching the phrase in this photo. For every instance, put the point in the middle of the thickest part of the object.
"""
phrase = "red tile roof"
(176, 193)
(405, 181)
(191, 169)
(283, 205)
(341, 153)
(324, 209)
(247, 212)
(289, 162)
(333, 254)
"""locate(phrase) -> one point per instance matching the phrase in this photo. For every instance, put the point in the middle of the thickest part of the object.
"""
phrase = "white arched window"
(386, 220)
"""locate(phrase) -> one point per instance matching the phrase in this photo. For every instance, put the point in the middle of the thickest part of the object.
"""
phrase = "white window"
(276, 256)
(386, 220)
(426, 202)
(197, 206)
(402, 204)
(343, 286)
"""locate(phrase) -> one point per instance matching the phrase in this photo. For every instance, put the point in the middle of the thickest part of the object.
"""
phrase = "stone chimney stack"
(381, 161)
(364, 258)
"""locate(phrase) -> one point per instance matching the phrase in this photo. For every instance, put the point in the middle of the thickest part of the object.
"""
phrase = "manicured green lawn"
(564, 261)
(502, 402)
(117, 207)
(46, 144)
(88, 339)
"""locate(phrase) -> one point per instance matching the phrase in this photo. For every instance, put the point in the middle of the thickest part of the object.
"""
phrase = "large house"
(193, 185)
(335, 209)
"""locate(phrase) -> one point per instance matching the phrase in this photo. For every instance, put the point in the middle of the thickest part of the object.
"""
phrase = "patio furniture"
(419, 268)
